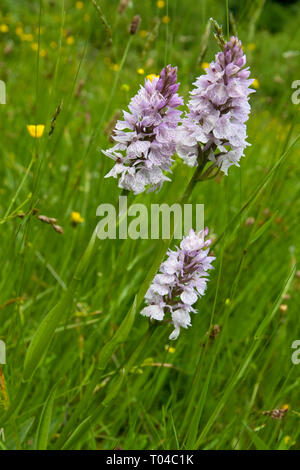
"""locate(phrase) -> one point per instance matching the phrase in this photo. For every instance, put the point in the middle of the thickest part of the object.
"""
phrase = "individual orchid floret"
(218, 109)
(146, 136)
(181, 280)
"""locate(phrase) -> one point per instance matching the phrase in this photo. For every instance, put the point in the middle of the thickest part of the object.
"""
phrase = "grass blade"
(44, 423)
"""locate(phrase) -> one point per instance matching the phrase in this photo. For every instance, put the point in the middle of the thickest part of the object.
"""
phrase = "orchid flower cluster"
(181, 280)
(212, 131)
(218, 110)
(146, 137)
(213, 127)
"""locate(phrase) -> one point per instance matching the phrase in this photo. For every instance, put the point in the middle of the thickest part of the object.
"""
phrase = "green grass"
(106, 378)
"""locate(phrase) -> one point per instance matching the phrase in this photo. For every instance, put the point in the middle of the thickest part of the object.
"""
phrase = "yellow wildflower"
(166, 19)
(43, 53)
(76, 218)
(205, 66)
(36, 130)
(34, 46)
(143, 33)
(255, 83)
(140, 71)
(285, 407)
(53, 45)
(26, 37)
(288, 441)
(170, 349)
(4, 28)
(151, 76)
(19, 30)
(79, 5)
(160, 4)
(70, 40)
(115, 67)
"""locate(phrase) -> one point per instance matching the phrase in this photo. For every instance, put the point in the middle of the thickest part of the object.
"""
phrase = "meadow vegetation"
(108, 378)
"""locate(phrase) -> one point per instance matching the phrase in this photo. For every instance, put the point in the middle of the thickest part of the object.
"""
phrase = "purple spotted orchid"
(145, 138)
(181, 280)
(218, 109)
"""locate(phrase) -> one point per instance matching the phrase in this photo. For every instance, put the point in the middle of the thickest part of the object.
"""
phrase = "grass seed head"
(135, 24)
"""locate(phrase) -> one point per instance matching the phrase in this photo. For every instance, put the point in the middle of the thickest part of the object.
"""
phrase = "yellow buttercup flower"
(285, 407)
(170, 349)
(205, 66)
(36, 130)
(255, 83)
(288, 441)
(43, 53)
(166, 19)
(160, 4)
(34, 46)
(151, 76)
(4, 28)
(19, 30)
(70, 40)
(26, 37)
(143, 33)
(76, 218)
(140, 71)
(79, 5)
(251, 46)
(115, 67)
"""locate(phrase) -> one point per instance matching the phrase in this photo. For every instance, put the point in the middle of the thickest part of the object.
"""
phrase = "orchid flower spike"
(217, 111)
(145, 138)
(181, 280)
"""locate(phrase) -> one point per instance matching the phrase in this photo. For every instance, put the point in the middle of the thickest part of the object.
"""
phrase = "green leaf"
(77, 434)
(119, 337)
(261, 230)
(45, 421)
(44, 334)
(256, 440)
